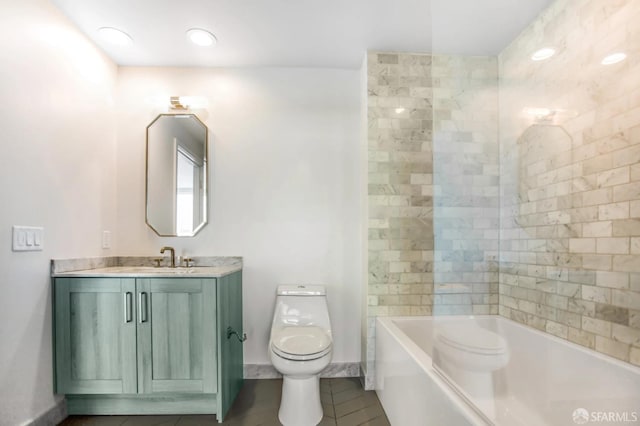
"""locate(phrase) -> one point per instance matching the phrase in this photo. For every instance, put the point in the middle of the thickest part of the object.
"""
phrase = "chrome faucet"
(173, 255)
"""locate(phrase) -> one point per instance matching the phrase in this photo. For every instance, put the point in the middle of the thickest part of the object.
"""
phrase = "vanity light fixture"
(185, 103)
(538, 112)
(540, 115)
(175, 104)
(614, 58)
(400, 110)
(543, 54)
(115, 36)
(201, 37)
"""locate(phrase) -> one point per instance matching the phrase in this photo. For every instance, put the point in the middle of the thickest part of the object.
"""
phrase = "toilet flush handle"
(231, 332)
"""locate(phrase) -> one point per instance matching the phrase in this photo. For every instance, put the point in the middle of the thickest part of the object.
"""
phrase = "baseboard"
(52, 416)
(362, 375)
(267, 371)
(100, 405)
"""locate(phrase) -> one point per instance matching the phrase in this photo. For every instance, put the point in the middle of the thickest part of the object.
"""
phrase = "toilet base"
(300, 404)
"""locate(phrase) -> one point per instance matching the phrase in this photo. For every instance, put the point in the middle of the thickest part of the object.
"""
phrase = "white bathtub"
(546, 381)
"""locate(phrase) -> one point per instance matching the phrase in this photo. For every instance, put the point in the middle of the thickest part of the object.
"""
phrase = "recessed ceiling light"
(115, 36)
(201, 37)
(544, 53)
(614, 58)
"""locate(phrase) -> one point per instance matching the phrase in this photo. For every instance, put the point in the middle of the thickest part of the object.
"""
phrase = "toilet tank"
(301, 305)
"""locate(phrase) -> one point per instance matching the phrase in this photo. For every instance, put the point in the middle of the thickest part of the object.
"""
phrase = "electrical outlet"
(106, 239)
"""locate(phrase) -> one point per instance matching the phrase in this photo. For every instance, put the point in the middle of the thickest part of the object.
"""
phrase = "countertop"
(153, 272)
(138, 267)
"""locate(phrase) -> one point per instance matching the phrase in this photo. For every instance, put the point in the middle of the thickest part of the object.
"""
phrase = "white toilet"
(468, 355)
(300, 348)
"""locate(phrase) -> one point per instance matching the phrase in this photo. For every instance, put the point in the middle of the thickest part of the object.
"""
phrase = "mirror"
(176, 175)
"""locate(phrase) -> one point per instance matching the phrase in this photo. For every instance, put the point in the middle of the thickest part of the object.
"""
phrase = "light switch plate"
(28, 238)
(106, 239)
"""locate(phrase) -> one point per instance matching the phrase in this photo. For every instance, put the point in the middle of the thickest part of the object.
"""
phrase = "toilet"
(300, 347)
(468, 355)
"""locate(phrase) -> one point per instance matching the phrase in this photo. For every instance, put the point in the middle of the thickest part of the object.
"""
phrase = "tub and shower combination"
(520, 377)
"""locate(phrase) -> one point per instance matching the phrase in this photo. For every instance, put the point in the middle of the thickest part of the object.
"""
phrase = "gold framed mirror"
(176, 175)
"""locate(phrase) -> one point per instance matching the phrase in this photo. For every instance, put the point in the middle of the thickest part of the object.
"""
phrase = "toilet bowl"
(300, 347)
(468, 356)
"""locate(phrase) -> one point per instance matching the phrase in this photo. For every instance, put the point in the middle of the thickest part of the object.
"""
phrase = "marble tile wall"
(400, 189)
(410, 96)
(400, 184)
(570, 177)
(466, 185)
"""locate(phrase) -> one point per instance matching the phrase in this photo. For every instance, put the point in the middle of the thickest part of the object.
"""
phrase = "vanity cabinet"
(127, 345)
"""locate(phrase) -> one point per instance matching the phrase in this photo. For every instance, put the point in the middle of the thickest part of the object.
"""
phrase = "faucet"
(173, 255)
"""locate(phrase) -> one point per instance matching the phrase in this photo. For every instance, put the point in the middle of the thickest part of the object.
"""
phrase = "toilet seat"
(300, 343)
(472, 339)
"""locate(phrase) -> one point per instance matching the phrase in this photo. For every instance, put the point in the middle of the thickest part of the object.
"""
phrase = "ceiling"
(300, 33)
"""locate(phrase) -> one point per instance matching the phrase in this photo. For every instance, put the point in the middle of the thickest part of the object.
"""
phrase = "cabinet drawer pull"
(143, 307)
(128, 314)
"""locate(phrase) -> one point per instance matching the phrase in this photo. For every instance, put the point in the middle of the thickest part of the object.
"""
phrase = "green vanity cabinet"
(148, 345)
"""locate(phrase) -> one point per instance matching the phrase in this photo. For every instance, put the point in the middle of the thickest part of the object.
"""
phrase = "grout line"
(333, 404)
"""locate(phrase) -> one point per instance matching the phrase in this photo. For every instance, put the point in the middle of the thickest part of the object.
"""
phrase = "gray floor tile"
(94, 421)
(366, 399)
(328, 410)
(151, 421)
(344, 403)
(347, 395)
(378, 421)
(327, 421)
(338, 385)
(208, 420)
(361, 416)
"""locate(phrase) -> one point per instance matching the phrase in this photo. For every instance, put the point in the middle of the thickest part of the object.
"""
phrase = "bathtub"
(547, 380)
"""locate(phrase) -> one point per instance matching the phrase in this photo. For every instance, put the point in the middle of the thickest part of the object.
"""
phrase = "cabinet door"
(95, 335)
(177, 335)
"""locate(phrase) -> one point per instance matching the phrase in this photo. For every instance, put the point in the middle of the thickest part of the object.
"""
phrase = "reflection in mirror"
(545, 174)
(176, 175)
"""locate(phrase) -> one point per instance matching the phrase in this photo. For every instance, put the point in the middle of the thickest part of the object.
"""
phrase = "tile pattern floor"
(344, 402)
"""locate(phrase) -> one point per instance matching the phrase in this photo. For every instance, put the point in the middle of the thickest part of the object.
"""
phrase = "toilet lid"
(471, 338)
(300, 340)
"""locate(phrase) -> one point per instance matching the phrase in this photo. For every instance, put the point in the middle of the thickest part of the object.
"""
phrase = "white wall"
(285, 183)
(57, 170)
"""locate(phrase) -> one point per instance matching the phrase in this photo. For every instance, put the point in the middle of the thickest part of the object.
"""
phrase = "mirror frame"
(205, 180)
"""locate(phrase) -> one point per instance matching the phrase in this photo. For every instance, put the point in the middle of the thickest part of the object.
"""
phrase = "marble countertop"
(139, 267)
(153, 272)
